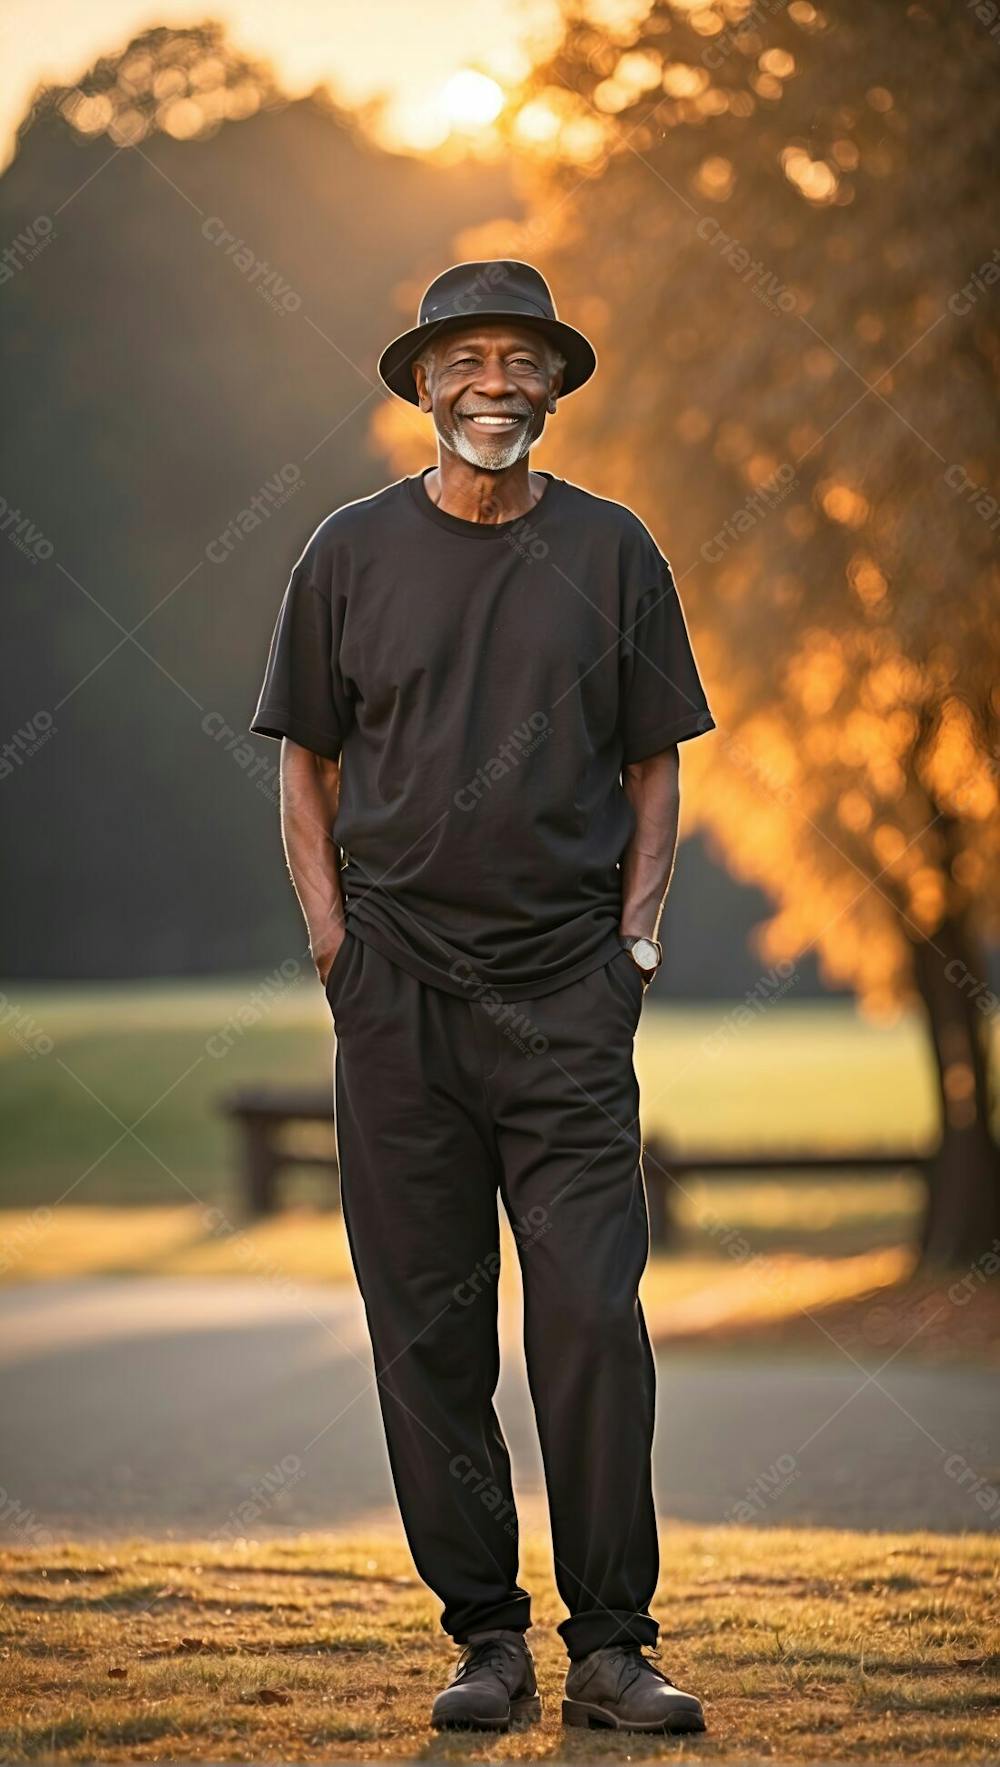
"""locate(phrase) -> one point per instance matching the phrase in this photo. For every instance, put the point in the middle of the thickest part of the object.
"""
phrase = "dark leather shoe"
(618, 1688)
(493, 1687)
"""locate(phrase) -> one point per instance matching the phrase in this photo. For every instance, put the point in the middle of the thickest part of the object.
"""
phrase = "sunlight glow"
(471, 100)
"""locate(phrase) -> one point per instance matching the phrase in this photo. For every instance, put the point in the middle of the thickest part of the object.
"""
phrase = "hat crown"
(490, 285)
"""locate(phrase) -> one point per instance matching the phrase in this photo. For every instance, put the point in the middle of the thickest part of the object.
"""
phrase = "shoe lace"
(489, 1653)
(631, 1661)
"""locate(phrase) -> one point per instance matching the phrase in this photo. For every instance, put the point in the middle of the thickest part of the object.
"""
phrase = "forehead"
(493, 334)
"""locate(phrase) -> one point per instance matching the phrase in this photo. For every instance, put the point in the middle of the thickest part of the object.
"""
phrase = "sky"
(407, 49)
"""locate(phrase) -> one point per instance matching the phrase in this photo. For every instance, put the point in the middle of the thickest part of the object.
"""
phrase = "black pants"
(440, 1102)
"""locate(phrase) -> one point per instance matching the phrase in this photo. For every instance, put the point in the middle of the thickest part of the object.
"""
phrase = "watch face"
(645, 954)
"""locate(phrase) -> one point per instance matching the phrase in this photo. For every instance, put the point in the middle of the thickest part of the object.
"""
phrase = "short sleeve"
(662, 698)
(303, 696)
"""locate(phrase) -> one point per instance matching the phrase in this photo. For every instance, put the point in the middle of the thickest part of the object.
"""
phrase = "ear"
(555, 385)
(419, 373)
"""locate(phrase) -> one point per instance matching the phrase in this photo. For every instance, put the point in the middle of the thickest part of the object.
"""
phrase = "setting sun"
(471, 100)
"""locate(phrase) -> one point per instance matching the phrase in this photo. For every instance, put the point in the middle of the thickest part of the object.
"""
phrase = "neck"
(458, 488)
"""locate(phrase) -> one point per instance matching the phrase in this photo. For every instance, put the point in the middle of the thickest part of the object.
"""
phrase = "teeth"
(501, 422)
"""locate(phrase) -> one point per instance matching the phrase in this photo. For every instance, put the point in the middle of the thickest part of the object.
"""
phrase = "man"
(481, 675)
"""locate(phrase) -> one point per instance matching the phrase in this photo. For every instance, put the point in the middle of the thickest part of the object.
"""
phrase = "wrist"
(326, 941)
(646, 953)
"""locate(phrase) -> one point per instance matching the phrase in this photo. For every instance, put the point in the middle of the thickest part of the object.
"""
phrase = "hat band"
(491, 303)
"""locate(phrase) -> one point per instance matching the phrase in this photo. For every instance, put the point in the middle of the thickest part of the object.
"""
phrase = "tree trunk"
(962, 1221)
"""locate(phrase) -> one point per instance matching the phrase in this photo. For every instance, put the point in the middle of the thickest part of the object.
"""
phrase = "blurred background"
(775, 222)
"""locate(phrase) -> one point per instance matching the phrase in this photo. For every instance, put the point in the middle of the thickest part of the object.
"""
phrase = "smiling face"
(489, 389)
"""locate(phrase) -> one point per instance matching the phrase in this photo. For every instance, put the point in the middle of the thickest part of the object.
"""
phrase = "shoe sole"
(583, 1717)
(523, 1713)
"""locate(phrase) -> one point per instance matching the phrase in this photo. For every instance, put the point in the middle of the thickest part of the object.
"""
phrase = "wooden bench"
(262, 1115)
(667, 1170)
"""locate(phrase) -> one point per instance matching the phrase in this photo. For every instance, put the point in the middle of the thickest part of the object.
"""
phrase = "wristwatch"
(646, 954)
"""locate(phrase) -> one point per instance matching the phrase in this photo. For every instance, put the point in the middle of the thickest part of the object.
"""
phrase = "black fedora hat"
(499, 288)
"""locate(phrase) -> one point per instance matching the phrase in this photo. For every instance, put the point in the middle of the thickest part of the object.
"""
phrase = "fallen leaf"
(273, 1696)
(118, 1674)
(193, 1644)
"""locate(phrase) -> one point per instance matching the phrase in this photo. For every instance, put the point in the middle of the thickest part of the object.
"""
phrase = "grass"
(110, 1094)
(805, 1646)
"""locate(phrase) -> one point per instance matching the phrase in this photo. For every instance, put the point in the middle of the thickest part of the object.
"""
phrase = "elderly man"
(481, 675)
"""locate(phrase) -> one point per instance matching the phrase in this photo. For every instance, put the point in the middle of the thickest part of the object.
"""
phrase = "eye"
(524, 362)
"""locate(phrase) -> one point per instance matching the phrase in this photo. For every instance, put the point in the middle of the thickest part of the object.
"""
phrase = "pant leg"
(419, 1176)
(566, 1102)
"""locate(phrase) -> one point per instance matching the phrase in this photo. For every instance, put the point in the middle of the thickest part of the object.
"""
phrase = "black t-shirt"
(482, 686)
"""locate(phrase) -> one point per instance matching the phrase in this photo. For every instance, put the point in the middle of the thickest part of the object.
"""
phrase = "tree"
(189, 370)
(778, 221)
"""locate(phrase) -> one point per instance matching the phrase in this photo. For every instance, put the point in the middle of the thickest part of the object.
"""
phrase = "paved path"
(176, 1406)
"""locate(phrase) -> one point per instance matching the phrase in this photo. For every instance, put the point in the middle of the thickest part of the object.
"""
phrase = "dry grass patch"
(807, 1646)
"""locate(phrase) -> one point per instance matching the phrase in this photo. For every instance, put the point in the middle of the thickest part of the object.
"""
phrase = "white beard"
(488, 456)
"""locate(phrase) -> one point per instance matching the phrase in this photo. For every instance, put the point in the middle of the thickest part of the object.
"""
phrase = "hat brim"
(395, 362)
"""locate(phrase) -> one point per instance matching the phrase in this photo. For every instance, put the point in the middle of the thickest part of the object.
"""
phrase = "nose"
(493, 380)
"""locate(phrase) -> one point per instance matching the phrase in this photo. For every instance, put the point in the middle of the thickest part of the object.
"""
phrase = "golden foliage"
(185, 83)
(794, 345)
